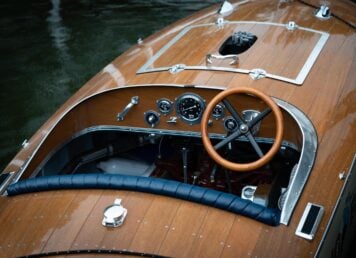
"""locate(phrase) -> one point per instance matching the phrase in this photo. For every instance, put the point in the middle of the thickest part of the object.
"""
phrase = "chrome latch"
(114, 215)
(257, 74)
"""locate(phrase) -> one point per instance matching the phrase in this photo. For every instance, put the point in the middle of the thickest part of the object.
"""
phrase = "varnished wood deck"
(72, 219)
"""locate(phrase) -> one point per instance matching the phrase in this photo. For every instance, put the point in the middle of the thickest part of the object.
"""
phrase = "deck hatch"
(310, 221)
(285, 55)
(237, 43)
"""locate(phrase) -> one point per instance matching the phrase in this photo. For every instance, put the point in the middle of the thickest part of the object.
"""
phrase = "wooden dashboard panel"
(102, 110)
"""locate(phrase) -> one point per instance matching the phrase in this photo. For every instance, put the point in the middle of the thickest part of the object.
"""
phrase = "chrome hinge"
(257, 74)
(177, 68)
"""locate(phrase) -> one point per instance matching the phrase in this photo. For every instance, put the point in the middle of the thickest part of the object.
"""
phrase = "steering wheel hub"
(244, 128)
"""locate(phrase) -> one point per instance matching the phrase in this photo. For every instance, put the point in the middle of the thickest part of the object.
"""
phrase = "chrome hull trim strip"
(325, 245)
(299, 80)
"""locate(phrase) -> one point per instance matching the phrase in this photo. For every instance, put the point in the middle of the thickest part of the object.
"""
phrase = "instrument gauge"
(230, 124)
(165, 106)
(218, 111)
(190, 107)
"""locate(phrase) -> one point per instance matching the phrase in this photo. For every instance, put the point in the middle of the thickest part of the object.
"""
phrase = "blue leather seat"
(217, 199)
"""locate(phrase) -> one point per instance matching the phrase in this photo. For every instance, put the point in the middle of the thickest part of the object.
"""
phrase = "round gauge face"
(165, 106)
(218, 111)
(230, 124)
(190, 107)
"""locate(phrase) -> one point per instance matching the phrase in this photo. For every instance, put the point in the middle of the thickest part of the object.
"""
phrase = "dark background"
(50, 48)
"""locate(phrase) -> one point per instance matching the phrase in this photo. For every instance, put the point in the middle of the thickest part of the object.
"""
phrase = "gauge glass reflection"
(165, 106)
(190, 107)
(218, 111)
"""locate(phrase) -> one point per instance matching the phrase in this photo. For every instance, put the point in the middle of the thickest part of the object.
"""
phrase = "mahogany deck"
(72, 219)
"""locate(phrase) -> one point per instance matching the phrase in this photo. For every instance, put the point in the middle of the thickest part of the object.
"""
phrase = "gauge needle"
(189, 108)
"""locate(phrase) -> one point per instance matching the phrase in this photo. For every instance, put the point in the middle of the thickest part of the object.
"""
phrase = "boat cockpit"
(238, 141)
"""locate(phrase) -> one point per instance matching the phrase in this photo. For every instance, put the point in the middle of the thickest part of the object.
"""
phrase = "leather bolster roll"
(217, 199)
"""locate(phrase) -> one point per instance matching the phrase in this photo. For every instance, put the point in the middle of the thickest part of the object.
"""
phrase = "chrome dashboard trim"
(149, 130)
(306, 161)
(303, 73)
(27, 161)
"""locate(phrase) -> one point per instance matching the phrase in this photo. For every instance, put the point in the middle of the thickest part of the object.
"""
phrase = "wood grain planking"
(9, 217)
(334, 78)
(241, 239)
(72, 220)
(155, 225)
(38, 234)
(305, 96)
(212, 235)
(184, 230)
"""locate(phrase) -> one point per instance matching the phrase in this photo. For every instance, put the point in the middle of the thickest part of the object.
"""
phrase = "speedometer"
(190, 107)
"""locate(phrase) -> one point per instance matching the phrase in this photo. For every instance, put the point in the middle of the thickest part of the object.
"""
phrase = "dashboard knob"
(152, 118)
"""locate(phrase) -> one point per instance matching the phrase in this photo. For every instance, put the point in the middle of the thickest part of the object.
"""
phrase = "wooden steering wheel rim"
(238, 167)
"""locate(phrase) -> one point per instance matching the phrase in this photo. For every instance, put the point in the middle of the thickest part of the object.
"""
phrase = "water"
(49, 49)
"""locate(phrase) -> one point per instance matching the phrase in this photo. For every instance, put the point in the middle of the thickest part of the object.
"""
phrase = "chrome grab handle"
(133, 102)
(210, 57)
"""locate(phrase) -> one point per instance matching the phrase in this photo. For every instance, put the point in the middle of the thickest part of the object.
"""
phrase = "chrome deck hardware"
(220, 22)
(310, 220)
(257, 74)
(177, 68)
(226, 8)
(25, 144)
(114, 215)
(139, 41)
(133, 102)
(210, 57)
(323, 12)
(291, 25)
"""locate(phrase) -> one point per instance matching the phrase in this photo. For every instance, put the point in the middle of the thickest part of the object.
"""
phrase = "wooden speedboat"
(228, 134)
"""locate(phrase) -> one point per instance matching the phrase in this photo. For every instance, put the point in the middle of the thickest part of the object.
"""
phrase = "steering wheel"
(244, 128)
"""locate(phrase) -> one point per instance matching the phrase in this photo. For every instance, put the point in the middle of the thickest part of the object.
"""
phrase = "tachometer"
(190, 107)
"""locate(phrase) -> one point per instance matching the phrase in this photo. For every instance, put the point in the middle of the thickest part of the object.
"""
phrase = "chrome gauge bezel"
(167, 102)
(226, 126)
(222, 109)
(190, 96)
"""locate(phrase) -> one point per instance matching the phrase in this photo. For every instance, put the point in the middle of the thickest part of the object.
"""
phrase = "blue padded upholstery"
(221, 200)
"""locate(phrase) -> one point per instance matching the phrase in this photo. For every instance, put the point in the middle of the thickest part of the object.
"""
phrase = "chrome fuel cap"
(114, 215)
